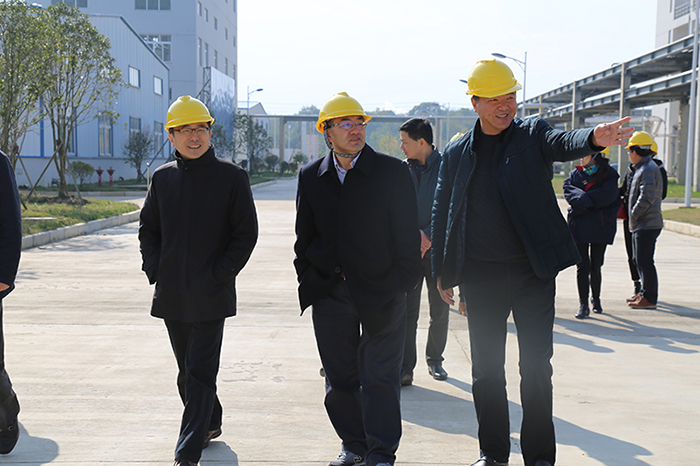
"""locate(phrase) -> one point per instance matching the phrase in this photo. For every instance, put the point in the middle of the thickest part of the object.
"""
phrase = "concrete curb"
(684, 228)
(59, 234)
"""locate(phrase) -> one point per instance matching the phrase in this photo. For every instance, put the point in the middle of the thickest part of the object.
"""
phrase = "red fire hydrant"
(110, 170)
(99, 172)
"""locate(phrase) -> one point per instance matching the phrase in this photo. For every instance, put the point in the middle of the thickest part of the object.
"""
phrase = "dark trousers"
(9, 406)
(439, 322)
(644, 242)
(634, 273)
(362, 375)
(492, 291)
(588, 271)
(197, 348)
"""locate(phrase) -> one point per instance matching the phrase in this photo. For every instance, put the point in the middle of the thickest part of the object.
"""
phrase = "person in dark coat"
(592, 193)
(10, 247)
(498, 231)
(416, 136)
(357, 256)
(198, 229)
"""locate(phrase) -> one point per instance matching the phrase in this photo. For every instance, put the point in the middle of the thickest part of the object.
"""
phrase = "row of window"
(203, 56)
(105, 134)
(205, 13)
(151, 4)
(135, 80)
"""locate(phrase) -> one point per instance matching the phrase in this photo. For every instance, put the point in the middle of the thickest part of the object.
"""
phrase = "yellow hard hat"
(605, 151)
(340, 105)
(457, 135)
(187, 110)
(491, 78)
(644, 141)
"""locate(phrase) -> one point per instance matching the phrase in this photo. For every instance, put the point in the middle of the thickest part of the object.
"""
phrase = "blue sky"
(396, 54)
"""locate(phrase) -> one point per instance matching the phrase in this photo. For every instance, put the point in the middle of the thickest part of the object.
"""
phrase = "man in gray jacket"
(644, 215)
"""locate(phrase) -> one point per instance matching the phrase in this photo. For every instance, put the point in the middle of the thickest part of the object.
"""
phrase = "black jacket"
(524, 176)
(198, 229)
(10, 225)
(365, 230)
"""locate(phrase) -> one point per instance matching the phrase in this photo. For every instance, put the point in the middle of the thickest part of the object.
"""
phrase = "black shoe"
(597, 307)
(583, 311)
(181, 462)
(348, 458)
(542, 463)
(406, 379)
(211, 435)
(8, 437)
(486, 461)
(437, 372)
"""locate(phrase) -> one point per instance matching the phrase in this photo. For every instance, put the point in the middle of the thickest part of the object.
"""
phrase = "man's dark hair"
(642, 152)
(418, 128)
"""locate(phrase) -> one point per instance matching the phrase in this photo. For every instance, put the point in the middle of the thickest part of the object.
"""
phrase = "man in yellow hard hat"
(498, 231)
(644, 215)
(357, 256)
(198, 229)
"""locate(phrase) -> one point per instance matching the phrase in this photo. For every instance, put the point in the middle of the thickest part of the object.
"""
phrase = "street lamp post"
(250, 126)
(523, 66)
(690, 151)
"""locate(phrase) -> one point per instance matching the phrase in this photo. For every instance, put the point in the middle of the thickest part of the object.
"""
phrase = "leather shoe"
(634, 298)
(542, 463)
(596, 305)
(348, 458)
(406, 379)
(583, 311)
(437, 372)
(642, 303)
(486, 461)
(8, 437)
(181, 462)
(211, 435)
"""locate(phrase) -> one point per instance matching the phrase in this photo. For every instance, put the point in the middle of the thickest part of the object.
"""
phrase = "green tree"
(222, 143)
(271, 161)
(81, 82)
(81, 171)
(137, 149)
(389, 144)
(250, 142)
(24, 52)
(299, 158)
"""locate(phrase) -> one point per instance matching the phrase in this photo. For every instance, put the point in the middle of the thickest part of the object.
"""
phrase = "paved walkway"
(96, 378)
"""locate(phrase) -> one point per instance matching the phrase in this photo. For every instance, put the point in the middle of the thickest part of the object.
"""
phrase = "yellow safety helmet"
(340, 105)
(491, 78)
(644, 141)
(606, 151)
(187, 110)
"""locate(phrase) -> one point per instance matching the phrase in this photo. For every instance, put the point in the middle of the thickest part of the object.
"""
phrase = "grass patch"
(684, 214)
(48, 213)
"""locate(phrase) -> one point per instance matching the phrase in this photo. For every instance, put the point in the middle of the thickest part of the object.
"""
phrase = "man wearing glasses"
(357, 256)
(198, 229)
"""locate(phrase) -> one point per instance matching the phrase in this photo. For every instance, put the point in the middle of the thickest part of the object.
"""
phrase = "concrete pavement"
(96, 377)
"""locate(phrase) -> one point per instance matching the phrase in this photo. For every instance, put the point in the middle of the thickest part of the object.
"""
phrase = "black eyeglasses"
(188, 131)
(347, 124)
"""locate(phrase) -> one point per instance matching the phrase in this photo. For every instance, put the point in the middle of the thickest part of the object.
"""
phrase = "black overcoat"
(364, 231)
(198, 229)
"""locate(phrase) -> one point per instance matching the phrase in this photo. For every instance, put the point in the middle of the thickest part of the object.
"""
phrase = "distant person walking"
(198, 229)
(416, 136)
(592, 193)
(623, 214)
(10, 247)
(644, 213)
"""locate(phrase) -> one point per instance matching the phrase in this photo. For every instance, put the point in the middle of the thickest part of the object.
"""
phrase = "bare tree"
(137, 149)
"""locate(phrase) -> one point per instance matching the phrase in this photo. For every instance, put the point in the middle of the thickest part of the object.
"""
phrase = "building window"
(157, 137)
(160, 44)
(206, 15)
(234, 41)
(134, 126)
(216, 24)
(226, 33)
(78, 3)
(104, 135)
(226, 66)
(216, 59)
(199, 8)
(206, 54)
(234, 6)
(134, 77)
(157, 85)
(152, 4)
